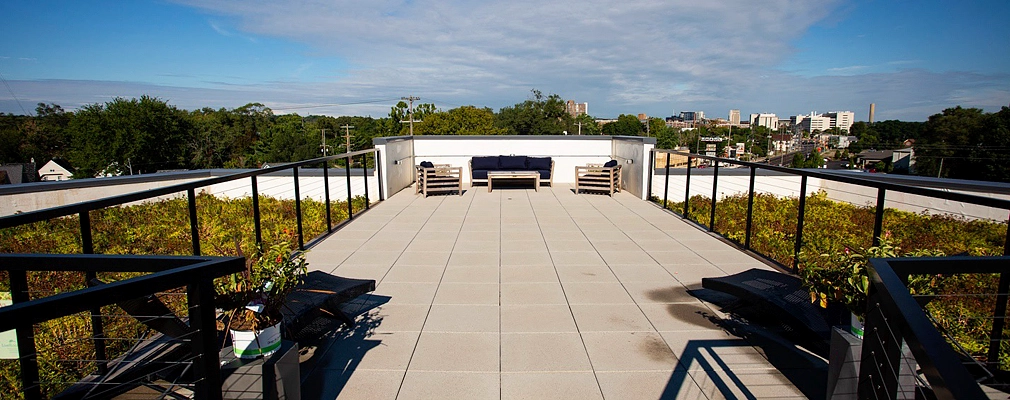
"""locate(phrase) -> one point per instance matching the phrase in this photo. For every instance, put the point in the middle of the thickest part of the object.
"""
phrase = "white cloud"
(648, 56)
(621, 55)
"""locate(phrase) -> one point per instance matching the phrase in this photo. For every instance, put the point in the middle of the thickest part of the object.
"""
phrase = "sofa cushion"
(544, 173)
(484, 163)
(538, 163)
(512, 163)
(479, 174)
(611, 163)
(427, 164)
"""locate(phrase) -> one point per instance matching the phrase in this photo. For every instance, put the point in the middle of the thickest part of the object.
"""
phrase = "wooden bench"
(438, 179)
(597, 178)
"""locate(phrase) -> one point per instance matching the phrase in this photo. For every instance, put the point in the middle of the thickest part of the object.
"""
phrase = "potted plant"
(842, 277)
(252, 299)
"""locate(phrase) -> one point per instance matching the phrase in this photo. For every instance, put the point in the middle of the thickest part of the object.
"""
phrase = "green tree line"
(146, 135)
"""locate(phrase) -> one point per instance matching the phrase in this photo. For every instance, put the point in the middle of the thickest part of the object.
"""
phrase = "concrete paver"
(523, 294)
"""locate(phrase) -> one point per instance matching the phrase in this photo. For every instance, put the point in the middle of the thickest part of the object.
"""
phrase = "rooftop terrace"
(526, 294)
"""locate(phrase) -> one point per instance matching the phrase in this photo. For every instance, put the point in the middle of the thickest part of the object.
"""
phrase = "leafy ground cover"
(837, 242)
(158, 228)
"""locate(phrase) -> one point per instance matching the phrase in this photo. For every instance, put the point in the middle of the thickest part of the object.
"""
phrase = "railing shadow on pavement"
(333, 354)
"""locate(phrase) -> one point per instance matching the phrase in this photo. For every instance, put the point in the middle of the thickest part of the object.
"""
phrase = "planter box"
(272, 377)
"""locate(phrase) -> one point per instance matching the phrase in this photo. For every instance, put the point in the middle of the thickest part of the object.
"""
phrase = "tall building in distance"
(824, 121)
(873, 110)
(767, 120)
(734, 117)
(576, 109)
(692, 116)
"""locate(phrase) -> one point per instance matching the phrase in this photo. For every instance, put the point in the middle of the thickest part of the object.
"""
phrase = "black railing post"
(878, 218)
(194, 225)
(206, 365)
(666, 182)
(651, 172)
(26, 339)
(750, 209)
(298, 210)
(799, 223)
(687, 189)
(364, 178)
(326, 194)
(715, 184)
(97, 326)
(347, 173)
(256, 213)
(378, 175)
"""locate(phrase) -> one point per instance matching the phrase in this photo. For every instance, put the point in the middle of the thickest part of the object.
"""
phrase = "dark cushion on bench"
(611, 163)
(544, 173)
(512, 163)
(538, 163)
(427, 164)
(479, 174)
(484, 163)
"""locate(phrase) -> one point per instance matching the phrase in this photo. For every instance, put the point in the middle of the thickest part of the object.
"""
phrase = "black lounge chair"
(783, 299)
(321, 294)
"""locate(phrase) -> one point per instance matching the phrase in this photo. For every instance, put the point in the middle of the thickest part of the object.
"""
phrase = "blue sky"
(912, 58)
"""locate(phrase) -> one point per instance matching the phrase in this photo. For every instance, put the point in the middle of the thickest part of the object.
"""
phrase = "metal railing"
(895, 319)
(165, 273)
(891, 306)
(83, 210)
(881, 187)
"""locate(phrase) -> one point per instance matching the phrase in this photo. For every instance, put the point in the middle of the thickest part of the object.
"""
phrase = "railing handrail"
(91, 205)
(936, 359)
(196, 274)
(953, 196)
(63, 304)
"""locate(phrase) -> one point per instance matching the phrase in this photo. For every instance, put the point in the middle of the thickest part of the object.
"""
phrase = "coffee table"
(534, 175)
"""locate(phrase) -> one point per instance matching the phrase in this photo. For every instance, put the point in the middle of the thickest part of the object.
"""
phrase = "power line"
(333, 105)
(8, 86)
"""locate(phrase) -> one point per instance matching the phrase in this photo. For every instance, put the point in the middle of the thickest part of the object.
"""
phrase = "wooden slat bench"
(597, 178)
(440, 178)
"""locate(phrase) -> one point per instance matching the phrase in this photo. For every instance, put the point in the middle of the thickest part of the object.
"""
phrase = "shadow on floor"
(804, 370)
(323, 374)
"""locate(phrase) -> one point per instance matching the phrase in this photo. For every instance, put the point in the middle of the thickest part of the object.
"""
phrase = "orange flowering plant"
(252, 299)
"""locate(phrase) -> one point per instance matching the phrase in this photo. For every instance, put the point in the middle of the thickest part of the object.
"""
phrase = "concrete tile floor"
(524, 294)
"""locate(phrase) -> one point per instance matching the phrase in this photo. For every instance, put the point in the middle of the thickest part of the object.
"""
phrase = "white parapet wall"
(280, 185)
(400, 155)
(734, 182)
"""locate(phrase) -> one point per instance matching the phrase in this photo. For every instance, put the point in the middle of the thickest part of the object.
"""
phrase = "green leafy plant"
(252, 299)
(842, 276)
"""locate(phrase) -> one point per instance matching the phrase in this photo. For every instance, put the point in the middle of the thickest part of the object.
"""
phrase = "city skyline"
(788, 57)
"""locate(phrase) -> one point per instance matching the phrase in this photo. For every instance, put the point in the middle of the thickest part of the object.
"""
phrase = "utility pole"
(323, 147)
(411, 121)
(347, 138)
(580, 127)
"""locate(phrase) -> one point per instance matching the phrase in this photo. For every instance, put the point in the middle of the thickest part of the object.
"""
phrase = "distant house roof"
(20, 172)
(868, 155)
(64, 163)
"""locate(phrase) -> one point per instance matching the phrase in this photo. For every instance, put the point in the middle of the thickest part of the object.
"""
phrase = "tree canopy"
(146, 134)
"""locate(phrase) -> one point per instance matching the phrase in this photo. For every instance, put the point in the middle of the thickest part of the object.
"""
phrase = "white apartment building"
(766, 120)
(841, 119)
(822, 122)
(734, 117)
